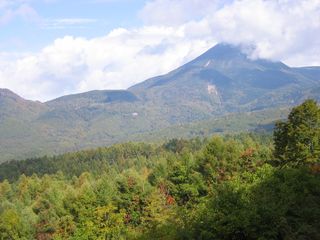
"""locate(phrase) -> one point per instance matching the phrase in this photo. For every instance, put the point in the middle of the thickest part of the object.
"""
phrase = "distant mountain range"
(223, 81)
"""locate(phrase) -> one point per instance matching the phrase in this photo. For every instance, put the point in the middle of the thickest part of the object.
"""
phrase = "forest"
(243, 186)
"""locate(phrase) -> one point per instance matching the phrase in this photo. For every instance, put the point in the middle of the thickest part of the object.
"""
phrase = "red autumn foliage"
(248, 152)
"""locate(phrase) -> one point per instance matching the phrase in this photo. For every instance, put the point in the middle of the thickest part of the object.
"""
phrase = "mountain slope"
(12, 105)
(221, 81)
(310, 72)
(224, 79)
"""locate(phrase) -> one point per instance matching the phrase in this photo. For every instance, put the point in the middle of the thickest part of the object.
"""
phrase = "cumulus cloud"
(280, 29)
(116, 61)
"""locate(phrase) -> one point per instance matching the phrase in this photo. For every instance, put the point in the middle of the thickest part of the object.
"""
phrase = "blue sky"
(49, 48)
(44, 21)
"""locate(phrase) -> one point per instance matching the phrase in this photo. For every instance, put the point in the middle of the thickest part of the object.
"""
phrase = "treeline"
(233, 187)
(119, 156)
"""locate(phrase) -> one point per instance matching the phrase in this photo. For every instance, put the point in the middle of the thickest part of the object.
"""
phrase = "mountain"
(13, 105)
(226, 80)
(220, 82)
(310, 72)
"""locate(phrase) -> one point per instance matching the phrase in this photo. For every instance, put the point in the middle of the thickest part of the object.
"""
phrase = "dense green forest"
(244, 186)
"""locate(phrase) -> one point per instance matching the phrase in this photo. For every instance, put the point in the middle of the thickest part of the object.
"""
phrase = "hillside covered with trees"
(244, 186)
(221, 91)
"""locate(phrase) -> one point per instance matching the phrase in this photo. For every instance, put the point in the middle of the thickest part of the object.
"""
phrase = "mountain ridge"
(221, 81)
(214, 52)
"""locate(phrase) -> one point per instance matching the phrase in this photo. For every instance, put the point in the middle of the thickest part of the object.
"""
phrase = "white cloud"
(281, 30)
(116, 61)
(286, 30)
(64, 23)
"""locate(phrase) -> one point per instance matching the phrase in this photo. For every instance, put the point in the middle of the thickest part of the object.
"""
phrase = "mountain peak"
(6, 93)
(223, 51)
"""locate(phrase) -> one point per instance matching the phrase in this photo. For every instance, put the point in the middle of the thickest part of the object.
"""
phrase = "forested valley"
(243, 186)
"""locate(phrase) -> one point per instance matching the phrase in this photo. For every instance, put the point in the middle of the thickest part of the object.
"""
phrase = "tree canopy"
(223, 187)
(297, 140)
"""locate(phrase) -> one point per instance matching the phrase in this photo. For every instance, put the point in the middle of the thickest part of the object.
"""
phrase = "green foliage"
(217, 188)
(268, 204)
(76, 128)
(297, 140)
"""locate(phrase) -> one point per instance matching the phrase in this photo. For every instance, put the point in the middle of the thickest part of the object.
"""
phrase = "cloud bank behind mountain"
(173, 32)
